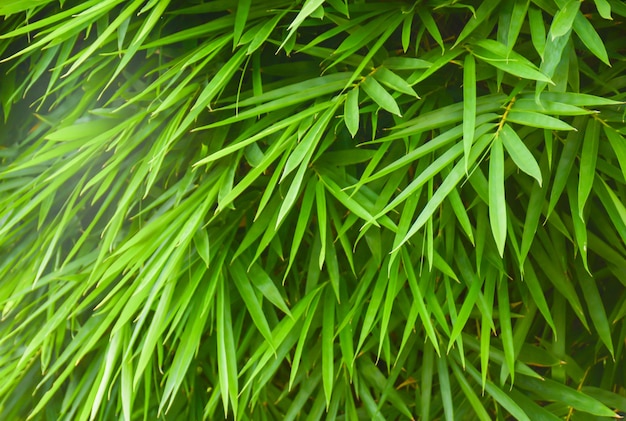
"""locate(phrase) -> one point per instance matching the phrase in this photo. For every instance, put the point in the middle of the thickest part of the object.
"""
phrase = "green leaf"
(304, 332)
(537, 120)
(406, 31)
(253, 304)
(320, 201)
(190, 341)
(301, 225)
(444, 189)
(309, 7)
(517, 20)
(303, 152)
(406, 63)
(431, 26)
(482, 14)
(393, 81)
(499, 56)
(227, 369)
(497, 201)
(107, 370)
(563, 169)
(346, 200)
(500, 396)
(469, 105)
(564, 19)
(88, 129)
(538, 294)
(446, 391)
(618, 205)
(427, 380)
(549, 107)
(474, 400)
(241, 16)
(592, 40)
(264, 283)
(578, 99)
(506, 330)
(465, 311)
(380, 96)
(604, 8)
(595, 307)
(537, 29)
(519, 153)
(588, 158)
(553, 391)
(351, 111)
(263, 33)
(618, 144)
(461, 213)
(418, 301)
(328, 332)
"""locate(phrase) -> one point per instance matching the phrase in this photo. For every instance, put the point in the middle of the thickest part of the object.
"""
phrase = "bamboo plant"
(309, 209)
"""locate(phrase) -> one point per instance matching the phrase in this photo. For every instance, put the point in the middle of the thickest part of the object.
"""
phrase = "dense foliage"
(340, 209)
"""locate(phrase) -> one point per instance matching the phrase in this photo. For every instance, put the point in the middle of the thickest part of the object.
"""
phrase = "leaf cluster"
(340, 209)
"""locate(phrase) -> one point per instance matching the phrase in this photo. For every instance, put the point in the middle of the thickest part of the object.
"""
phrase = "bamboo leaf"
(563, 169)
(320, 201)
(474, 400)
(351, 111)
(393, 81)
(482, 14)
(304, 151)
(253, 304)
(446, 391)
(554, 391)
(596, 308)
(604, 8)
(564, 19)
(431, 26)
(262, 281)
(592, 40)
(469, 105)
(497, 202)
(503, 399)
(328, 332)
(309, 7)
(453, 178)
(499, 56)
(538, 294)
(304, 332)
(406, 63)
(144, 143)
(537, 29)
(241, 16)
(380, 96)
(533, 119)
(618, 143)
(226, 349)
(519, 153)
(506, 328)
(588, 158)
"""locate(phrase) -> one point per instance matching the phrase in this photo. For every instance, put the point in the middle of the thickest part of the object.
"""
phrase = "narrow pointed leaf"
(469, 105)
(380, 96)
(519, 153)
(351, 111)
(497, 201)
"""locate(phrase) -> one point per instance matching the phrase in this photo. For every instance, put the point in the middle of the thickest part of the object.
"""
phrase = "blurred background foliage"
(312, 209)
